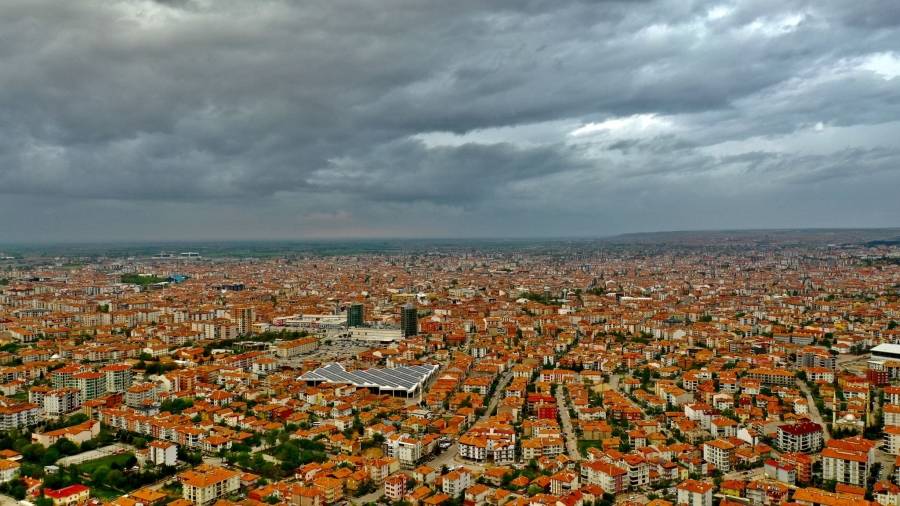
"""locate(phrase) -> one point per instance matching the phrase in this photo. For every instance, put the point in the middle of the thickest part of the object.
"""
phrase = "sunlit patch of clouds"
(886, 65)
(631, 126)
(718, 12)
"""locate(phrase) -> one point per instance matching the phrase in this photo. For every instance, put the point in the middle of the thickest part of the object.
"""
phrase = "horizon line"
(440, 238)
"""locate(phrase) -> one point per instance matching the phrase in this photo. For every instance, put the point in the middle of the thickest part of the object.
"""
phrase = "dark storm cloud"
(408, 171)
(325, 108)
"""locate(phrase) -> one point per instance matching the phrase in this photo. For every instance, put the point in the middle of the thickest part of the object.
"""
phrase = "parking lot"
(335, 350)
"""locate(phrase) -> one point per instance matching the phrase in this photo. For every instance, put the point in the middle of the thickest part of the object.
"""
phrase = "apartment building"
(395, 486)
(65, 376)
(771, 376)
(719, 453)
(19, 415)
(91, 384)
(205, 484)
(816, 356)
(163, 453)
(695, 493)
(892, 439)
(563, 482)
(491, 441)
(456, 482)
(331, 488)
(605, 475)
(117, 377)
(803, 437)
(780, 471)
(56, 402)
(845, 466)
(296, 347)
(891, 414)
(405, 448)
(535, 448)
(637, 468)
(139, 395)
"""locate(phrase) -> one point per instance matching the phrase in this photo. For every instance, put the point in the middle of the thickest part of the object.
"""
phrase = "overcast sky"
(207, 119)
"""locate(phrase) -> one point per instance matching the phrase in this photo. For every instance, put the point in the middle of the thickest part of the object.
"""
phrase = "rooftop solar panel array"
(406, 378)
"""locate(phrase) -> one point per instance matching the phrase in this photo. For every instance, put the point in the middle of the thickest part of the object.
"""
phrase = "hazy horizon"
(867, 234)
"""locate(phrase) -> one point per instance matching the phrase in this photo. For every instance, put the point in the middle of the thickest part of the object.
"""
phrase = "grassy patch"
(137, 279)
(584, 444)
(108, 461)
(172, 490)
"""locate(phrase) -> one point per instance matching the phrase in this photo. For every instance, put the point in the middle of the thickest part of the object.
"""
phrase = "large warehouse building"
(407, 380)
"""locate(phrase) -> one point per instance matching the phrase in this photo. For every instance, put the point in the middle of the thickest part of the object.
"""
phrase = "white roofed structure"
(405, 380)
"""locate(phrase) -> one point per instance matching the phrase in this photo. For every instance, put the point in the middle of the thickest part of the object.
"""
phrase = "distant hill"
(822, 236)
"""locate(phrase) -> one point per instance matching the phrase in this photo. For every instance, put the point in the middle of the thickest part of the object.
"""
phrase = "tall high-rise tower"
(356, 315)
(409, 320)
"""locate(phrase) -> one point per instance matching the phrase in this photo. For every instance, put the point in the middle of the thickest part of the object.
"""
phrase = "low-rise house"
(76, 433)
(68, 496)
(9, 470)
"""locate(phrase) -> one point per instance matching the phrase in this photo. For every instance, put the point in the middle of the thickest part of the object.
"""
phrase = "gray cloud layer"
(199, 118)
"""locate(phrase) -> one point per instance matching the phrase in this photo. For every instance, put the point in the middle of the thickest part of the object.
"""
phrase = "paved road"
(445, 458)
(498, 394)
(213, 461)
(814, 410)
(162, 483)
(568, 431)
(373, 497)
(614, 381)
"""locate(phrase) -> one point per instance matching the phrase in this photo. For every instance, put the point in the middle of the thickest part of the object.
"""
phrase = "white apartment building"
(845, 466)
(719, 453)
(205, 484)
(163, 453)
(456, 482)
(695, 493)
(405, 448)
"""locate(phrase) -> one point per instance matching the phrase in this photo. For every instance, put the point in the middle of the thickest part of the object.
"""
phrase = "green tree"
(66, 447)
(50, 456)
(33, 452)
(100, 475)
(116, 479)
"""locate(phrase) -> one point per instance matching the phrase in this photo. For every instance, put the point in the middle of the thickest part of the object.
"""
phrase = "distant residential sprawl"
(729, 370)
